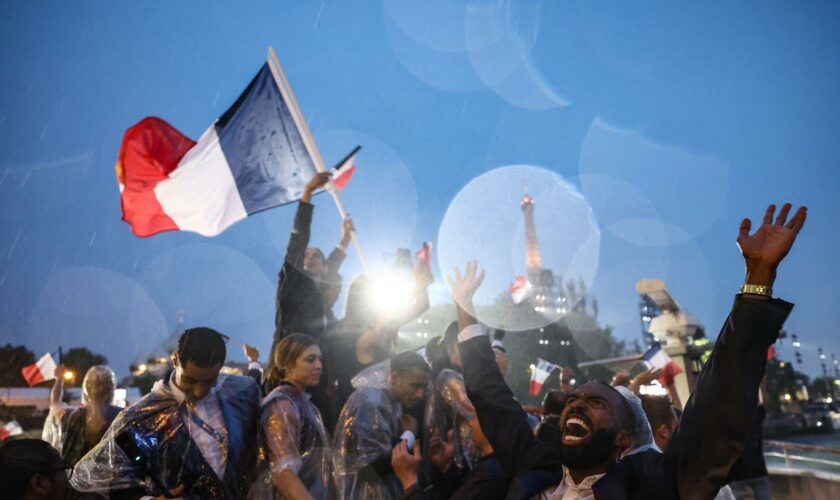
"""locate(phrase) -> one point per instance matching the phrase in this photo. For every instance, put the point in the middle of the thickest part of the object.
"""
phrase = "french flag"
(538, 377)
(424, 255)
(257, 155)
(10, 429)
(520, 290)
(655, 357)
(39, 371)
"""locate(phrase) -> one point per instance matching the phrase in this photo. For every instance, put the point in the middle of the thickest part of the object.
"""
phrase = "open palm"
(774, 239)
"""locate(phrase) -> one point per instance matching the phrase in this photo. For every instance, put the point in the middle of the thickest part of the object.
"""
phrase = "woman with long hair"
(296, 451)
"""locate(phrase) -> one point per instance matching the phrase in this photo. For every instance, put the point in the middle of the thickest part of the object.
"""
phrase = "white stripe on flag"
(658, 360)
(46, 365)
(201, 195)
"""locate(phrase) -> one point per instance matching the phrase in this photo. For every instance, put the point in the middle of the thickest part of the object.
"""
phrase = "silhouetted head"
(31, 468)
(99, 385)
(314, 263)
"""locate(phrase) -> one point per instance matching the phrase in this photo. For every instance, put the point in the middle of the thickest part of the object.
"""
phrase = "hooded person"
(642, 435)
(373, 421)
(194, 435)
(75, 430)
(597, 422)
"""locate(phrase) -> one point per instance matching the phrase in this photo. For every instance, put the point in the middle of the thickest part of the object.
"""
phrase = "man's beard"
(596, 452)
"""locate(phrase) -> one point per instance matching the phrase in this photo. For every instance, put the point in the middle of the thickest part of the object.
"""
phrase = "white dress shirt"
(568, 490)
(209, 410)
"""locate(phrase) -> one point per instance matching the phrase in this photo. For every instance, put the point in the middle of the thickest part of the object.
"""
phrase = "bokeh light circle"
(485, 222)
(102, 310)
(657, 195)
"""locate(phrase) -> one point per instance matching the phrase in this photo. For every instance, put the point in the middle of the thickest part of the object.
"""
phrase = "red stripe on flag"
(150, 151)
(343, 176)
(32, 374)
(3, 434)
(535, 387)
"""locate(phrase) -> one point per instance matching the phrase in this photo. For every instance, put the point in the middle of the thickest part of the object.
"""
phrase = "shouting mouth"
(575, 431)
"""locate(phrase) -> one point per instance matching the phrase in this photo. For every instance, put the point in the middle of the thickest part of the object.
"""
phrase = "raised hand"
(347, 230)
(251, 352)
(318, 181)
(768, 246)
(645, 378)
(463, 287)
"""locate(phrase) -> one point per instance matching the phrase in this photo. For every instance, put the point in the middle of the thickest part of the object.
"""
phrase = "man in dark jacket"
(595, 422)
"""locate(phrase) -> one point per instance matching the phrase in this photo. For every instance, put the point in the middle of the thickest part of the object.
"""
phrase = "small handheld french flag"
(520, 290)
(39, 371)
(655, 357)
(10, 429)
(538, 377)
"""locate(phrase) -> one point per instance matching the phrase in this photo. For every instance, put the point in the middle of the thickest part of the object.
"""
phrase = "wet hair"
(101, 378)
(658, 410)
(408, 360)
(20, 459)
(289, 349)
(554, 402)
(202, 346)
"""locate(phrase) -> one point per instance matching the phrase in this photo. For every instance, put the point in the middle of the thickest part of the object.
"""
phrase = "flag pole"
(309, 142)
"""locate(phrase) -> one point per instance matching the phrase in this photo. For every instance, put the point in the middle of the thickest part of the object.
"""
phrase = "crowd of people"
(337, 413)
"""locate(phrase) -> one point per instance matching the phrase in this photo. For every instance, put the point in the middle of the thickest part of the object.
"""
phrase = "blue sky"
(672, 120)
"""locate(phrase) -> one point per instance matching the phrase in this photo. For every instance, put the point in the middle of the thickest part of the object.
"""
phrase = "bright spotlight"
(392, 292)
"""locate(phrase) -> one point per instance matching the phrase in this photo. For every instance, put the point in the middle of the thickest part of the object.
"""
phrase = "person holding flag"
(75, 430)
(39, 371)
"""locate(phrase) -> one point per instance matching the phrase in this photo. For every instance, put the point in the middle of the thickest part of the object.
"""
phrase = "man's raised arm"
(502, 418)
(718, 416)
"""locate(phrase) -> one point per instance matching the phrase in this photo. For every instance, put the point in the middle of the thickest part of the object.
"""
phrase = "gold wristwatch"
(757, 290)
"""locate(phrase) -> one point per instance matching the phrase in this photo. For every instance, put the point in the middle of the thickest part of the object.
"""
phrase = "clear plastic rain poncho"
(367, 427)
(66, 425)
(449, 408)
(642, 435)
(292, 436)
(162, 442)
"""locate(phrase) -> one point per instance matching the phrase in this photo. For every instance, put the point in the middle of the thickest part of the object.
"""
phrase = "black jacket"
(299, 306)
(487, 481)
(710, 438)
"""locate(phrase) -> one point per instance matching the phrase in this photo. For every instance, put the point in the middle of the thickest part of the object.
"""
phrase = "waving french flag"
(256, 156)
(39, 371)
(656, 357)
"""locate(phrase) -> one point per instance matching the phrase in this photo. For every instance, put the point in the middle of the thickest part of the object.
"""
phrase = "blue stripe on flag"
(263, 147)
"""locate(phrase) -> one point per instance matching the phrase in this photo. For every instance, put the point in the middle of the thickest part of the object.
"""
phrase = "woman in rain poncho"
(75, 430)
(295, 453)
(448, 409)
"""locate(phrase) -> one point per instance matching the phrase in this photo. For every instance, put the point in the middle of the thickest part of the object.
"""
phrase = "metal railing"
(793, 452)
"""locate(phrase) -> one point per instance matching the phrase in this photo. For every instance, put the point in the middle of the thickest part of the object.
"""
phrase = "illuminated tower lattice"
(533, 259)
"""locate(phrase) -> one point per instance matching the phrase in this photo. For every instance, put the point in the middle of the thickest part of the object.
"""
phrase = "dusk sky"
(664, 124)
